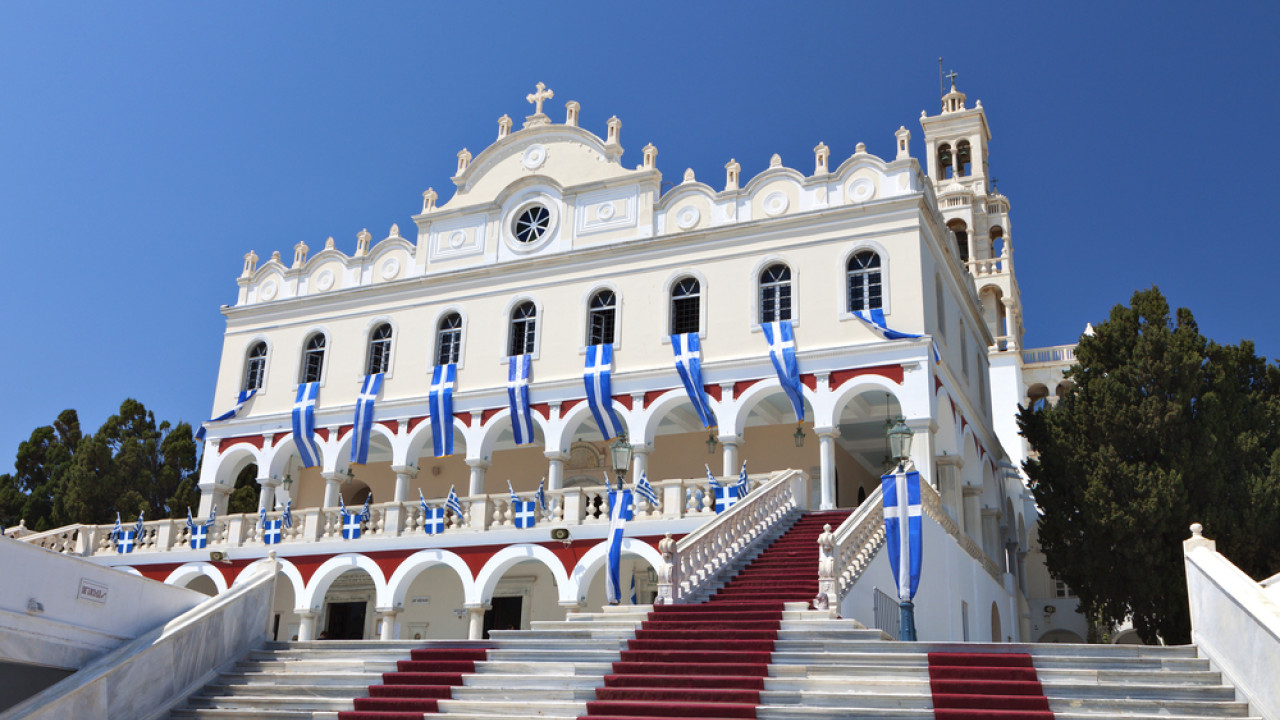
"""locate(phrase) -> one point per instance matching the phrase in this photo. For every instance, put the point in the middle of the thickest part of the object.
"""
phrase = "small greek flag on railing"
(619, 513)
(726, 496)
(453, 504)
(689, 365)
(270, 528)
(741, 488)
(241, 399)
(902, 499)
(287, 518)
(362, 426)
(441, 400)
(875, 323)
(541, 495)
(126, 542)
(525, 510)
(432, 518)
(304, 424)
(633, 589)
(645, 490)
(518, 369)
(782, 351)
(597, 377)
(351, 521)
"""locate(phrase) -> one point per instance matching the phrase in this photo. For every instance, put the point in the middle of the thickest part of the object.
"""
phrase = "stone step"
(780, 712)
(792, 663)
(515, 708)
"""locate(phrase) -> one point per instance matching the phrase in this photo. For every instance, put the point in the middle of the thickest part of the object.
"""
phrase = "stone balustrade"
(843, 554)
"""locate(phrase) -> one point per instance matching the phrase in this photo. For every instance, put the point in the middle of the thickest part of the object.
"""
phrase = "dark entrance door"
(504, 614)
(346, 621)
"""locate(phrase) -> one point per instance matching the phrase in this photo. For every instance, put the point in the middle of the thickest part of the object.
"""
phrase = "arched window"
(775, 293)
(379, 349)
(944, 161)
(865, 289)
(964, 158)
(255, 366)
(601, 316)
(449, 339)
(313, 358)
(524, 324)
(961, 230)
(685, 297)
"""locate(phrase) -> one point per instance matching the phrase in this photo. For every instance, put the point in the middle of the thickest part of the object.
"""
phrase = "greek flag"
(116, 532)
(875, 323)
(902, 491)
(525, 515)
(726, 496)
(782, 351)
(199, 534)
(441, 400)
(126, 542)
(633, 589)
(270, 528)
(541, 495)
(287, 518)
(454, 506)
(596, 376)
(645, 490)
(689, 366)
(362, 426)
(518, 368)
(741, 488)
(137, 527)
(304, 424)
(619, 514)
(240, 401)
(432, 518)
(351, 521)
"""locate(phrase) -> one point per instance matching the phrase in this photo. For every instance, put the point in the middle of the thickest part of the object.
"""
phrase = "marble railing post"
(478, 466)
(164, 536)
(386, 622)
(673, 500)
(330, 489)
(827, 466)
(311, 530)
(306, 624)
(404, 473)
(393, 520)
(235, 531)
(475, 630)
(573, 506)
(480, 511)
(555, 469)
(666, 571)
(87, 540)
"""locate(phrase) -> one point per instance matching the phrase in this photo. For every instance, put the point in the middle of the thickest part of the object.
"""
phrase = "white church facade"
(550, 247)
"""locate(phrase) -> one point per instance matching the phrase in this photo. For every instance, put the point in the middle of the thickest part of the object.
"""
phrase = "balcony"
(1056, 354)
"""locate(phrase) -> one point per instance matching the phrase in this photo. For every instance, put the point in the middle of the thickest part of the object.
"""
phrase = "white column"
(639, 461)
(404, 473)
(267, 494)
(1010, 329)
(478, 467)
(972, 512)
(730, 465)
(555, 469)
(306, 624)
(827, 466)
(386, 623)
(213, 495)
(330, 489)
(476, 629)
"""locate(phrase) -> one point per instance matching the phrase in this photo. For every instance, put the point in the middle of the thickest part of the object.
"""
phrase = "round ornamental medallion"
(687, 217)
(776, 203)
(457, 238)
(534, 156)
(531, 224)
(861, 190)
(324, 280)
(605, 211)
(268, 290)
(390, 269)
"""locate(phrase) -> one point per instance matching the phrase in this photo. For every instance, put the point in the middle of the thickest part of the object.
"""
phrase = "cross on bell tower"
(536, 99)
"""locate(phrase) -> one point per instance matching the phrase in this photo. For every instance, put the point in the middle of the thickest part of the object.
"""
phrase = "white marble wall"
(145, 677)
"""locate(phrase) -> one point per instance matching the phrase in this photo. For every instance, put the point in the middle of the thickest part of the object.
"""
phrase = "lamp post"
(900, 437)
(711, 443)
(798, 437)
(620, 450)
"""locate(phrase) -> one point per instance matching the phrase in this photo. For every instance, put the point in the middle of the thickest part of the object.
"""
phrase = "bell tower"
(956, 140)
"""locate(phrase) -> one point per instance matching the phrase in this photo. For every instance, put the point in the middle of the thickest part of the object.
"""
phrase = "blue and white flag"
(782, 351)
(453, 504)
(646, 491)
(199, 534)
(432, 518)
(304, 424)
(362, 426)
(541, 495)
(138, 527)
(518, 369)
(633, 589)
(596, 375)
(875, 323)
(287, 518)
(116, 533)
(126, 541)
(902, 499)
(351, 521)
(525, 511)
(741, 488)
(619, 514)
(689, 365)
(241, 399)
(270, 528)
(441, 400)
(726, 496)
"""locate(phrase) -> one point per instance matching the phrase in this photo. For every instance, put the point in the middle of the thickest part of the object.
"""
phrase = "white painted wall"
(69, 632)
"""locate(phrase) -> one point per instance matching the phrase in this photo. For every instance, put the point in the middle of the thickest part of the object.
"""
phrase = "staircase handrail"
(843, 554)
(702, 554)
(53, 539)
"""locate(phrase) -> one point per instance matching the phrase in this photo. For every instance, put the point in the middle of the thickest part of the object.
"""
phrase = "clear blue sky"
(145, 147)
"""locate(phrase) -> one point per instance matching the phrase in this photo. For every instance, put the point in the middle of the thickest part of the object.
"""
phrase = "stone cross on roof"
(537, 97)
(950, 76)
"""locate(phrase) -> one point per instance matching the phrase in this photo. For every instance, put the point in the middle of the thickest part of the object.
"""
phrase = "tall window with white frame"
(379, 349)
(313, 358)
(449, 339)
(775, 293)
(601, 316)
(686, 297)
(866, 291)
(255, 366)
(524, 325)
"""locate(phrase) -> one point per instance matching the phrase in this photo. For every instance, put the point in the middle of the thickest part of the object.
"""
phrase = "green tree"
(247, 492)
(32, 490)
(1163, 428)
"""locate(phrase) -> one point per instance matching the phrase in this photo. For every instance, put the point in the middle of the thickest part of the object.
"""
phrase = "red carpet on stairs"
(709, 661)
(416, 686)
(974, 686)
